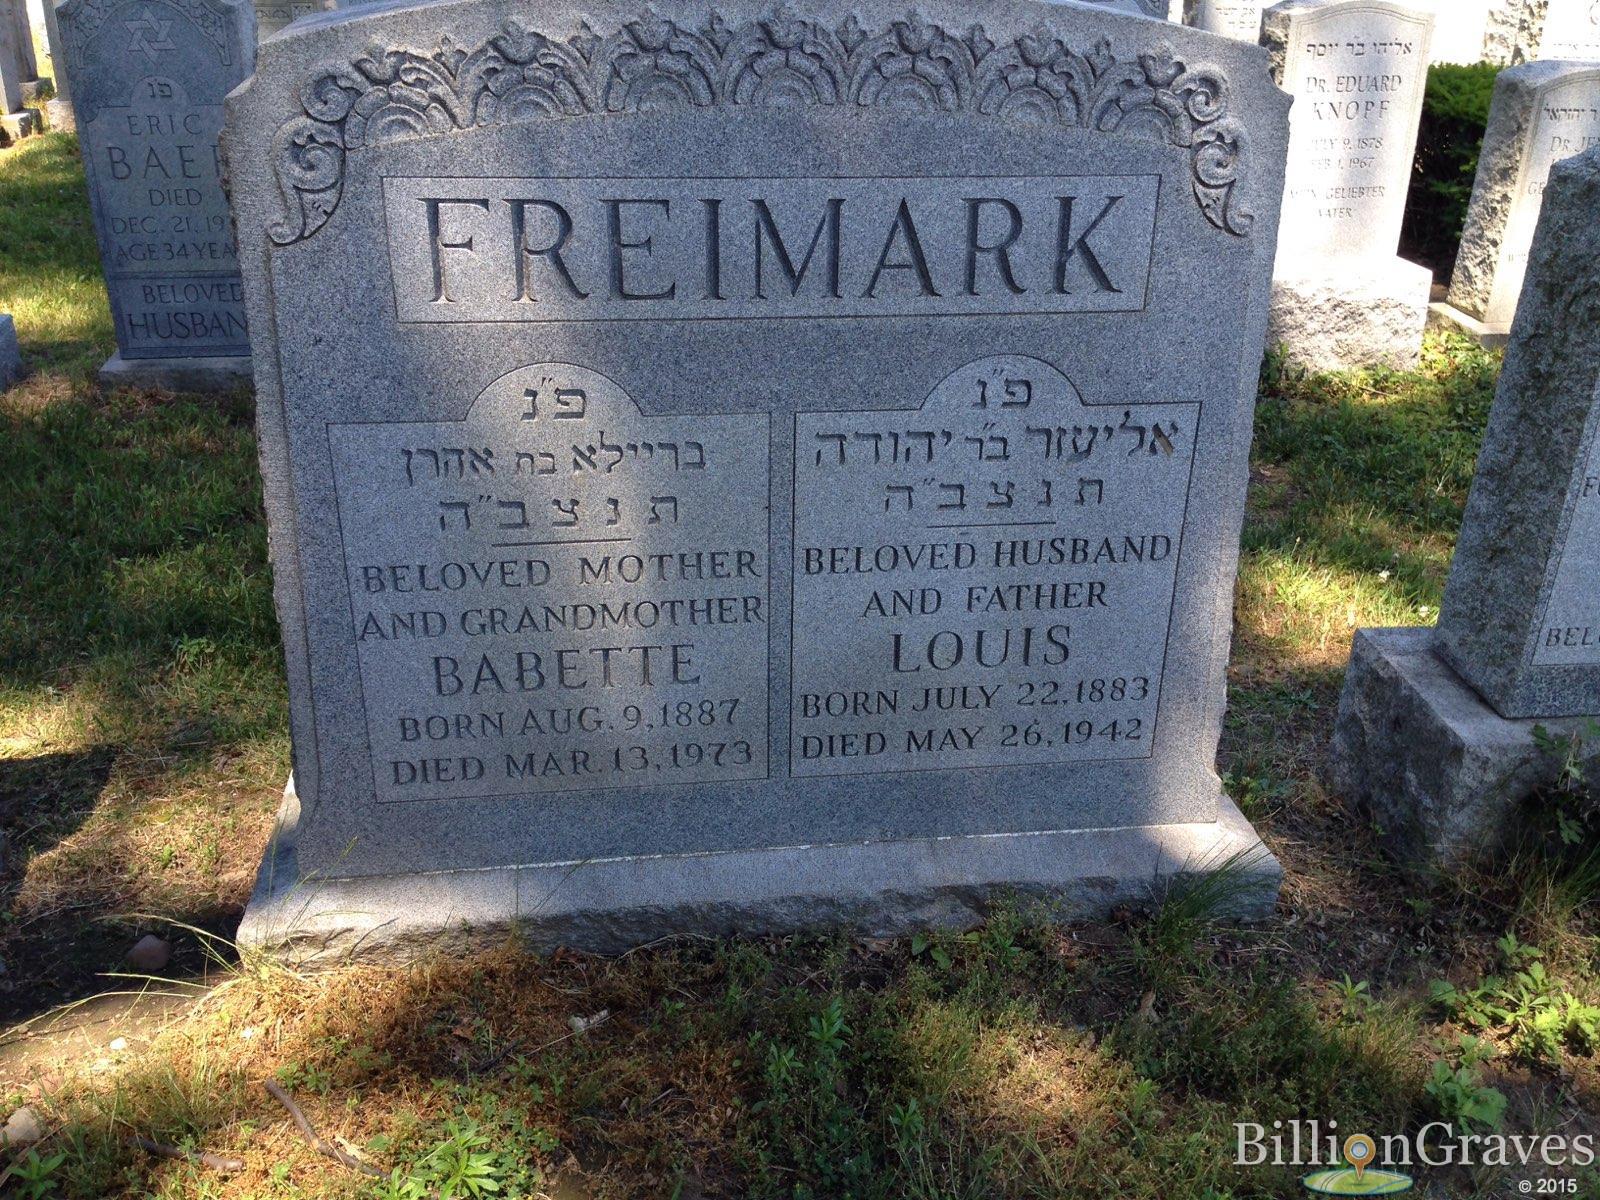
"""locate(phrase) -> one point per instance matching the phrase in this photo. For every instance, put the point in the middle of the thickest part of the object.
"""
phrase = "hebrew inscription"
(681, 249)
(987, 580)
(557, 592)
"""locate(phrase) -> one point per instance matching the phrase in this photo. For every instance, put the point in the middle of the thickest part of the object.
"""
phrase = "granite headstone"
(148, 80)
(1542, 113)
(16, 119)
(1357, 69)
(743, 469)
(273, 15)
(1438, 729)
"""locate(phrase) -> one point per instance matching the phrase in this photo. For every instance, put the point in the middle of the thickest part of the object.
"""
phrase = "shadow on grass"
(1017, 1060)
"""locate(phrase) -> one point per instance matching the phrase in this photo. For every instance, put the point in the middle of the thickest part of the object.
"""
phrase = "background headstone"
(58, 110)
(850, 583)
(1542, 113)
(148, 79)
(1238, 19)
(1571, 31)
(10, 352)
(1357, 70)
(16, 120)
(273, 15)
(1521, 614)
(1436, 728)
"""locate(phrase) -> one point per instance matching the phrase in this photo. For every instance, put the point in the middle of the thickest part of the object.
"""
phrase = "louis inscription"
(1012, 601)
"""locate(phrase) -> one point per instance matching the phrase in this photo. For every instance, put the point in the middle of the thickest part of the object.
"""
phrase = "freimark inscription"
(603, 249)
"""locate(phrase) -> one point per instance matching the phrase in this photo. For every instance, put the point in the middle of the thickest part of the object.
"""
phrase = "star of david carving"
(150, 35)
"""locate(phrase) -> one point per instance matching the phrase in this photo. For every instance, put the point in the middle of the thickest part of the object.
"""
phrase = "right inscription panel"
(986, 581)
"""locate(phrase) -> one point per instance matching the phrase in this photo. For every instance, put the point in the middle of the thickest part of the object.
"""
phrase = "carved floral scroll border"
(654, 63)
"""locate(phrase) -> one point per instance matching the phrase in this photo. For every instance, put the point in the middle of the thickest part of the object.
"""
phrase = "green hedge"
(1453, 119)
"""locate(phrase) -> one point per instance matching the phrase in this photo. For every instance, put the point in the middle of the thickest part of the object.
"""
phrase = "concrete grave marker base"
(1446, 316)
(18, 125)
(10, 352)
(59, 117)
(606, 905)
(176, 374)
(1439, 770)
(1358, 317)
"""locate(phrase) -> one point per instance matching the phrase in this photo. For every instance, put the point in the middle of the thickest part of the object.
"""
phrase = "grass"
(142, 747)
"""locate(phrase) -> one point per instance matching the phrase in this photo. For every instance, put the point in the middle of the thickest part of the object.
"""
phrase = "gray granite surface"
(1418, 752)
(739, 434)
(1521, 615)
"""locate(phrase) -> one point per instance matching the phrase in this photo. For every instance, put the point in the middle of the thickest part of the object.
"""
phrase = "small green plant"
(305, 1077)
(828, 1029)
(1541, 1017)
(1459, 1093)
(35, 1175)
(1354, 996)
(1574, 801)
(462, 1166)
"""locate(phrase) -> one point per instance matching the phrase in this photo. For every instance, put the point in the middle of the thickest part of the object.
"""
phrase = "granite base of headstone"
(59, 117)
(1368, 314)
(644, 571)
(14, 126)
(219, 374)
(1357, 69)
(1417, 749)
(10, 352)
(1542, 113)
(884, 889)
(1436, 733)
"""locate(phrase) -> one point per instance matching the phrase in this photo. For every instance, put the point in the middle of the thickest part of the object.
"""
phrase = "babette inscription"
(555, 593)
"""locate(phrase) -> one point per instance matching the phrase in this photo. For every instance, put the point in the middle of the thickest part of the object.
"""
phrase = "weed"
(1459, 1093)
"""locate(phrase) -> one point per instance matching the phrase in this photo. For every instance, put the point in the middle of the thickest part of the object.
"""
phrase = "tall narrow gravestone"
(1437, 728)
(1357, 70)
(16, 120)
(148, 79)
(1542, 113)
(742, 469)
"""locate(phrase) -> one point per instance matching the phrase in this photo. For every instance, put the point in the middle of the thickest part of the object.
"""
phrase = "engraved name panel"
(1357, 74)
(557, 592)
(1569, 635)
(468, 250)
(987, 580)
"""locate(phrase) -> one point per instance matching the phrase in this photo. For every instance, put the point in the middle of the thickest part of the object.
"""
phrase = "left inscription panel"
(557, 592)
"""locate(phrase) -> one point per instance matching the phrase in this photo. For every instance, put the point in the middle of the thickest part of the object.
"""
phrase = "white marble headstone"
(1542, 113)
